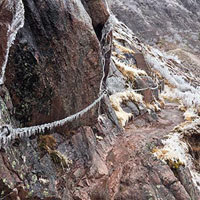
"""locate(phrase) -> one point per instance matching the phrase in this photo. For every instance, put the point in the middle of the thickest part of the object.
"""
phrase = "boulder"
(151, 91)
(141, 63)
(54, 68)
(133, 108)
(98, 12)
(130, 107)
(147, 93)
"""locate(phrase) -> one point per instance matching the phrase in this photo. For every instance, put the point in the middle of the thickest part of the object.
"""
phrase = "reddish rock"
(147, 93)
(141, 63)
(54, 68)
(98, 13)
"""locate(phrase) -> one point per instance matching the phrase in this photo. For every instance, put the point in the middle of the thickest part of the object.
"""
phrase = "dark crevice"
(98, 30)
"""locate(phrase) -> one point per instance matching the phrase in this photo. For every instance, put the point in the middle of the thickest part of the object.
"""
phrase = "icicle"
(13, 136)
(43, 128)
(4, 140)
(9, 138)
(21, 134)
(28, 131)
(34, 131)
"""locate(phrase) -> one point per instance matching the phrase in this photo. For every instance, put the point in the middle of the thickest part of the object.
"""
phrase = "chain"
(8, 133)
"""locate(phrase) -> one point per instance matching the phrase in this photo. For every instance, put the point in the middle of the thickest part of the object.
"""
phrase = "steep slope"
(174, 21)
(143, 141)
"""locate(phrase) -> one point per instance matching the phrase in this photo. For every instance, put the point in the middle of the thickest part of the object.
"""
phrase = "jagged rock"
(115, 81)
(113, 71)
(147, 93)
(130, 107)
(133, 108)
(54, 70)
(153, 86)
(86, 140)
(184, 176)
(115, 84)
(141, 63)
(142, 109)
(54, 67)
(160, 182)
(28, 171)
(151, 91)
(110, 113)
(125, 108)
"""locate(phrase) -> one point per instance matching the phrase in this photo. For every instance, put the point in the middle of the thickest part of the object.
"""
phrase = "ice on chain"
(8, 133)
(17, 22)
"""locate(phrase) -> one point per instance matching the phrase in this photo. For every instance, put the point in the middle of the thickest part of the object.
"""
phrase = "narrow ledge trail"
(133, 171)
(169, 117)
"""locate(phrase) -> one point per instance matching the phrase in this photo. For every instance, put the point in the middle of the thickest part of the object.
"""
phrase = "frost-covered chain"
(104, 50)
(17, 7)
(147, 88)
(7, 133)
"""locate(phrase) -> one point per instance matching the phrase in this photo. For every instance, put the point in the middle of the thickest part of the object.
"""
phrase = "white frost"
(17, 22)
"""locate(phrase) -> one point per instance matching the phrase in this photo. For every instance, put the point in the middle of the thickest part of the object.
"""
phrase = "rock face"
(176, 20)
(54, 68)
(95, 163)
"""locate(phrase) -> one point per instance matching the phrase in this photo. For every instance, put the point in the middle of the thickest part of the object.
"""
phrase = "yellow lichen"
(47, 142)
(175, 164)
